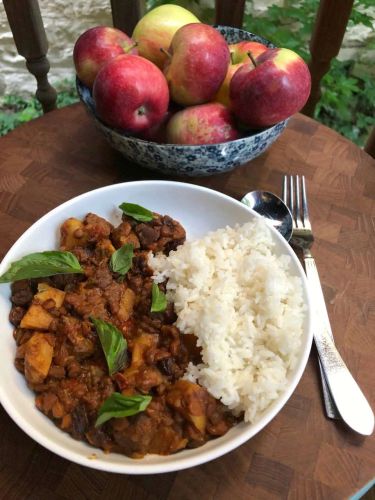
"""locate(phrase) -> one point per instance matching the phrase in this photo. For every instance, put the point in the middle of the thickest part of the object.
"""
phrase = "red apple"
(97, 46)
(155, 30)
(203, 124)
(131, 93)
(157, 133)
(277, 88)
(198, 64)
(239, 51)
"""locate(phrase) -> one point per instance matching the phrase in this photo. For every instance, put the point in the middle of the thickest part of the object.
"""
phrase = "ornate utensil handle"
(348, 397)
(329, 405)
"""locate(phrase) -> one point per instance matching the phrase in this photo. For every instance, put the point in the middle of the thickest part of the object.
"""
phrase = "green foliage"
(347, 103)
(15, 110)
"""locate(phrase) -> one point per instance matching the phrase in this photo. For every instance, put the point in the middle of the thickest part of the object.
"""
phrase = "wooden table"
(300, 454)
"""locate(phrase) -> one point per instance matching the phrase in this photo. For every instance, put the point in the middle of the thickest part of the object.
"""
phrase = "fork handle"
(348, 397)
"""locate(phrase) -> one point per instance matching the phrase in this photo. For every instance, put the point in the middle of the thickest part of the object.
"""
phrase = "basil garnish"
(118, 406)
(136, 211)
(113, 343)
(42, 264)
(159, 300)
(121, 259)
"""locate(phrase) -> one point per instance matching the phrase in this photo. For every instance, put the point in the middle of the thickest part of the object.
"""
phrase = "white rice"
(237, 296)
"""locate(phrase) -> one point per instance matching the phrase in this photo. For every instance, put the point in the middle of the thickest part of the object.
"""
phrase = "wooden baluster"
(330, 24)
(230, 12)
(30, 38)
(126, 14)
(370, 144)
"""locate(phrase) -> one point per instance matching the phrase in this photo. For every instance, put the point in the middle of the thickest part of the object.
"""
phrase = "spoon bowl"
(273, 209)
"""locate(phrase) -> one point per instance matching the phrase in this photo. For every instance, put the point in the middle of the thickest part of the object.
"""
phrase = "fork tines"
(294, 196)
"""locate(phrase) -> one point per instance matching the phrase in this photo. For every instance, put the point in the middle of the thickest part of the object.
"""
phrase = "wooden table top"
(300, 454)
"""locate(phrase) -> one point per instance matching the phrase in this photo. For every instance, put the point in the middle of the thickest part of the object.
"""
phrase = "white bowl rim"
(183, 462)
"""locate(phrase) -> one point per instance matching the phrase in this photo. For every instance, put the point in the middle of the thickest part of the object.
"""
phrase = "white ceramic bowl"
(199, 210)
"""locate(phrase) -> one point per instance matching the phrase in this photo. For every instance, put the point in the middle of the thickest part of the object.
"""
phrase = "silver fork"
(302, 233)
(348, 398)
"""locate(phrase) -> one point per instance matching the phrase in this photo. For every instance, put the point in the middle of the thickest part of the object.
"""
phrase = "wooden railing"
(30, 38)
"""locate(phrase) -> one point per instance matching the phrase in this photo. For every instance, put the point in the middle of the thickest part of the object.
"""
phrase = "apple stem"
(168, 54)
(252, 58)
(130, 47)
(231, 57)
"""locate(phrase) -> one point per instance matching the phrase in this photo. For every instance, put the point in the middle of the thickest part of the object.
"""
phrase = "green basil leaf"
(121, 259)
(113, 343)
(159, 300)
(42, 264)
(136, 211)
(118, 406)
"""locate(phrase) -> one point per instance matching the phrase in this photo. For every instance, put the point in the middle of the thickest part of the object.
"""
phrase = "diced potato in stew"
(38, 357)
(66, 360)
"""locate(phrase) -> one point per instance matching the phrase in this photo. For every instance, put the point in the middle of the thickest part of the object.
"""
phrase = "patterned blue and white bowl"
(203, 160)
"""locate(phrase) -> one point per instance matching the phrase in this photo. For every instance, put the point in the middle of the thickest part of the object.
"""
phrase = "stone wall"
(65, 20)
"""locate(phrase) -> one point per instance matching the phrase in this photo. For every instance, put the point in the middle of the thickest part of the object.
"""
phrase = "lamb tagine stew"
(96, 339)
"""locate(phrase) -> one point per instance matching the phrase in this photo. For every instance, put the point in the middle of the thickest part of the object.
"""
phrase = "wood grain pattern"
(229, 12)
(300, 454)
(370, 144)
(125, 15)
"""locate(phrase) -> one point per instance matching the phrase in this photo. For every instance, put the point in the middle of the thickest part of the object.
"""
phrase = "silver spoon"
(272, 208)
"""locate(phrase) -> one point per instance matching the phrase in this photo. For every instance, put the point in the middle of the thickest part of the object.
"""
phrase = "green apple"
(156, 29)
(222, 95)
(240, 50)
(239, 55)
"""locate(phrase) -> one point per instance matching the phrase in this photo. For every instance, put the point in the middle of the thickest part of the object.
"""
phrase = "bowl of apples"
(186, 98)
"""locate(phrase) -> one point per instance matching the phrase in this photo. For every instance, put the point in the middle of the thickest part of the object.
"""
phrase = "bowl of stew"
(57, 385)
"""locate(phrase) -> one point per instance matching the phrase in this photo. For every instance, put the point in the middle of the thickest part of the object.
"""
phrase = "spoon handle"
(348, 397)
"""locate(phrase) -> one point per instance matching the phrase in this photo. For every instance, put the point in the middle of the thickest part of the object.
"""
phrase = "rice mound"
(237, 296)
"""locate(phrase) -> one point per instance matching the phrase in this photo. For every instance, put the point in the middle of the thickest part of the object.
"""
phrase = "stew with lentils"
(133, 380)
